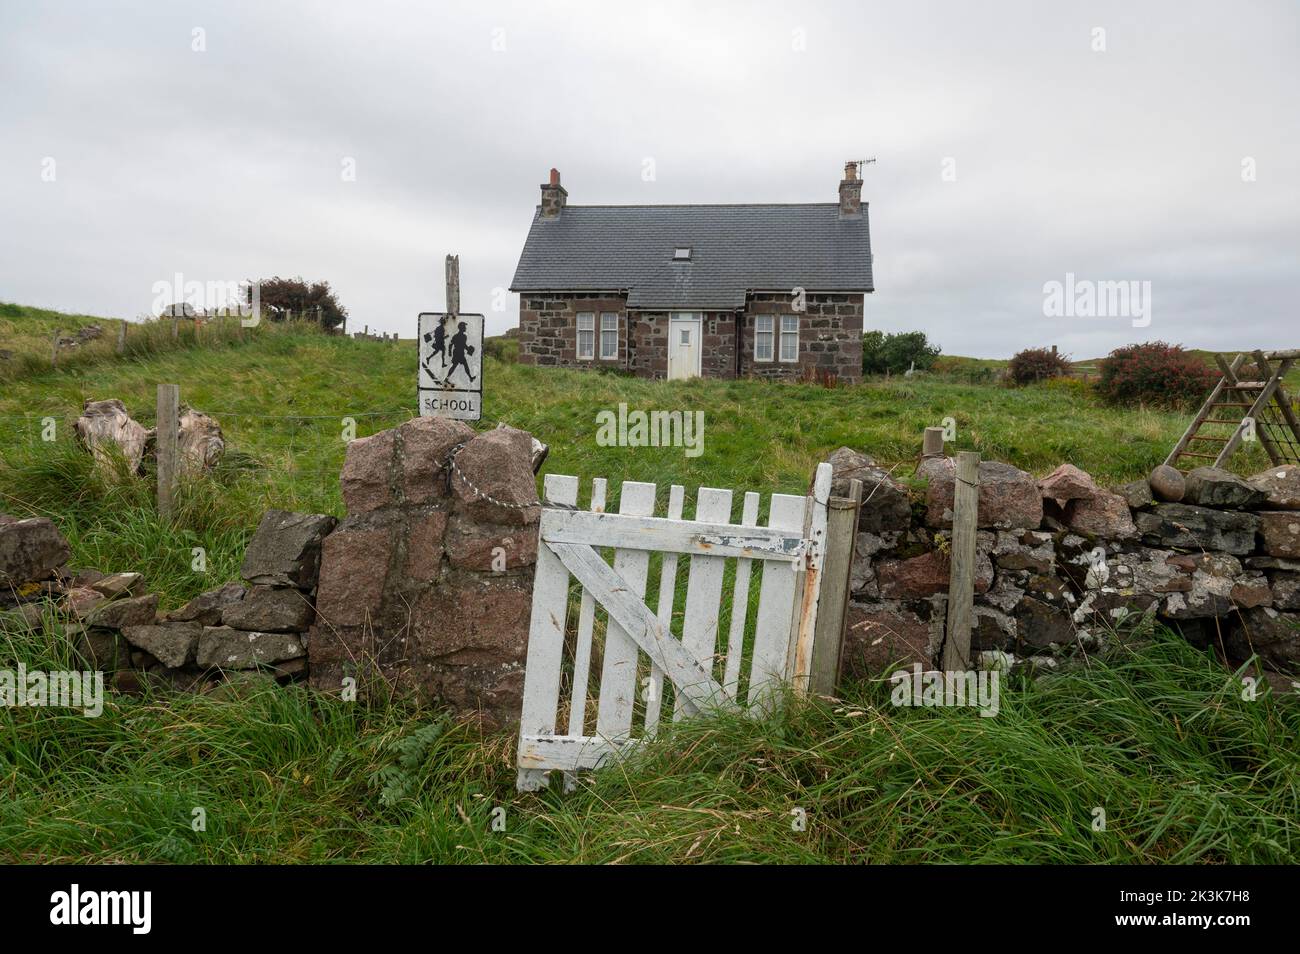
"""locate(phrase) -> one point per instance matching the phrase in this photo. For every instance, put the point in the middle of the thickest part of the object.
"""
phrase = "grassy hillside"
(27, 339)
(1157, 734)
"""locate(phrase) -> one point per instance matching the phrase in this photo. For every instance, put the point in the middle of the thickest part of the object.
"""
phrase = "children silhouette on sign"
(439, 339)
(459, 346)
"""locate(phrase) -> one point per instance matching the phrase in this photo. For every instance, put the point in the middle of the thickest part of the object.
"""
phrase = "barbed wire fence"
(297, 456)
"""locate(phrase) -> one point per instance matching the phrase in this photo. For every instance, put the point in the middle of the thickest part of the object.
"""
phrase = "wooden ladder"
(1239, 404)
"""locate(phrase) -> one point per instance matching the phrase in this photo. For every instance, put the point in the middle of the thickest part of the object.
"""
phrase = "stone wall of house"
(1062, 562)
(830, 337)
(548, 328)
(648, 357)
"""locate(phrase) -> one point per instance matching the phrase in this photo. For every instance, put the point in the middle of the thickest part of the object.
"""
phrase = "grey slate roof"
(734, 249)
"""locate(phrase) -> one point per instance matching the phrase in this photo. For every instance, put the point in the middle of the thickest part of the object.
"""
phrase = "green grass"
(27, 340)
(1157, 736)
(1157, 733)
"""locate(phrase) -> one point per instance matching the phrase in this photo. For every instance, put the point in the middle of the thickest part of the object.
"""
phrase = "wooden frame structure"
(1269, 415)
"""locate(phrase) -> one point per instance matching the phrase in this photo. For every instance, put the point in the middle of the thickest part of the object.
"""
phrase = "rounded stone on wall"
(1167, 483)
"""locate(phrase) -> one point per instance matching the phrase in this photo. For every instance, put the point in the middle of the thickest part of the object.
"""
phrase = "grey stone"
(135, 611)
(172, 644)
(1214, 487)
(1286, 591)
(285, 550)
(1197, 528)
(1282, 484)
(1128, 582)
(1027, 550)
(1280, 530)
(80, 601)
(1006, 592)
(885, 504)
(1218, 586)
(1041, 623)
(1273, 563)
(992, 629)
(206, 608)
(270, 609)
(26, 616)
(225, 648)
(862, 573)
(103, 649)
(1167, 483)
(30, 550)
(1137, 494)
(1274, 636)
(117, 584)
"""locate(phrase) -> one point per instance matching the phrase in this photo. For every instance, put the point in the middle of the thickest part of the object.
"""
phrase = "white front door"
(684, 345)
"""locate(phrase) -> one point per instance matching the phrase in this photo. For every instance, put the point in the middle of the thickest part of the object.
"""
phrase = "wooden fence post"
(121, 337)
(932, 443)
(453, 284)
(833, 604)
(961, 582)
(168, 424)
(54, 349)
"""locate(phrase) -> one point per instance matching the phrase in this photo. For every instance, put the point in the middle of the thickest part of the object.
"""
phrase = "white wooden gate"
(641, 645)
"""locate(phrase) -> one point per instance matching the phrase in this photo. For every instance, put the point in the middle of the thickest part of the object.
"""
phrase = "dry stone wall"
(230, 632)
(1061, 562)
(424, 589)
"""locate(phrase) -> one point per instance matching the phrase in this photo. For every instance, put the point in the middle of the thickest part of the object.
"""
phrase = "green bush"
(1154, 373)
(1036, 364)
(895, 353)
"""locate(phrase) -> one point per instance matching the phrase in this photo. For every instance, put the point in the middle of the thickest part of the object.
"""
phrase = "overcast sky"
(214, 140)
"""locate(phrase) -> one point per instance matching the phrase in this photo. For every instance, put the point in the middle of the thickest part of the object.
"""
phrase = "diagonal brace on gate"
(692, 680)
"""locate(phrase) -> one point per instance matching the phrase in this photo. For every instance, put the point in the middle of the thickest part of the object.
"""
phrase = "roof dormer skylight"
(682, 253)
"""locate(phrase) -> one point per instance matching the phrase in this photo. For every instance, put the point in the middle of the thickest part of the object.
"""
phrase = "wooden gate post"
(961, 582)
(121, 337)
(833, 606)
(166, 443)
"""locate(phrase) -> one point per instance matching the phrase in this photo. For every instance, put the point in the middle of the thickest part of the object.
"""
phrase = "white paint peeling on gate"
(704, 666)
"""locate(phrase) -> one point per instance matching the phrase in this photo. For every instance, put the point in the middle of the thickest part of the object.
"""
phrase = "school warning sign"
(451, 366)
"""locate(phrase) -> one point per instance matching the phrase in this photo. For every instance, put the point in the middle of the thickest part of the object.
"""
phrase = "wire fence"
(290, 461)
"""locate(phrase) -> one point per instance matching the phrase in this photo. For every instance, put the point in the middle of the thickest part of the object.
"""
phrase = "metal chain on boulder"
(450, 466)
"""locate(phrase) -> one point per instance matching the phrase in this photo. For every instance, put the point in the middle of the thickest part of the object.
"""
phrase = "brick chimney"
(554, 196)
(850, 191)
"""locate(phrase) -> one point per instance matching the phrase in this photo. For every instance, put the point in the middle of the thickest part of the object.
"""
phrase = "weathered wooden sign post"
(451, 357)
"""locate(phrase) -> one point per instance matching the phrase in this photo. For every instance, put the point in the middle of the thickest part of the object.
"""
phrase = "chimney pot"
(555, 177)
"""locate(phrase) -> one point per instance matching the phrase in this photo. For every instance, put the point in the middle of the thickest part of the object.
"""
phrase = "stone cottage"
(680, 291)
